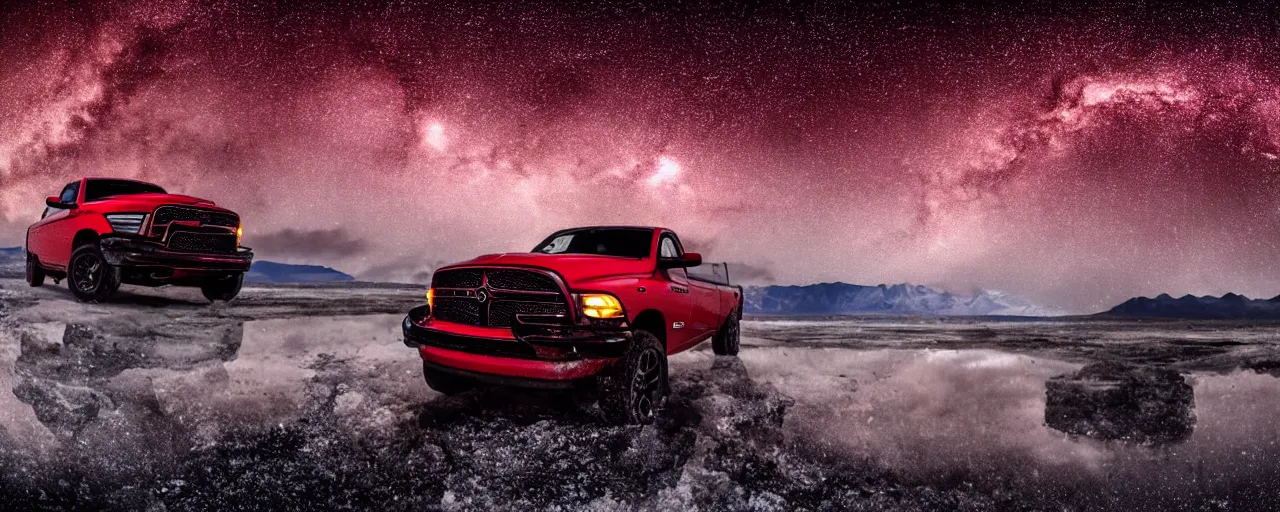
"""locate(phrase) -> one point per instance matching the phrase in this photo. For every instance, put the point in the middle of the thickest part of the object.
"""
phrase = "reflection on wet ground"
(980, 416)
(137, 406)
(1122, 402)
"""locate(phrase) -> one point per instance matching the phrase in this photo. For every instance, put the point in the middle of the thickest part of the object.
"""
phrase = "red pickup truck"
(98, 233)
(598, 305)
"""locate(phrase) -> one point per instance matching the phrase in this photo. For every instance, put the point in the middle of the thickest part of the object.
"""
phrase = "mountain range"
(898, 299)
(273, 272)
(844, 298)
(12, 255)
(1208, 307)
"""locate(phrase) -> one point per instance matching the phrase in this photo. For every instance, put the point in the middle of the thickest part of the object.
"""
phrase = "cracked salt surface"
(281, 400)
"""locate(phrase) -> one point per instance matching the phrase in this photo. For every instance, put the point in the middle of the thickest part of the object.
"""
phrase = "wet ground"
(305, 398)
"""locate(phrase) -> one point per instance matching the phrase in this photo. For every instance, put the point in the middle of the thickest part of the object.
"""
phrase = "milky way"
(1076, 155)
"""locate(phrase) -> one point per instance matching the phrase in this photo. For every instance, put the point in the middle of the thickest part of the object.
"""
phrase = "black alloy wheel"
(35, 273)
(633, 390)
(728, 339)
(646, 386)
(89, 276)
(223, 289)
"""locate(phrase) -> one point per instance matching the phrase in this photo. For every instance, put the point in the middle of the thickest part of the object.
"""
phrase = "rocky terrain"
(303, 397)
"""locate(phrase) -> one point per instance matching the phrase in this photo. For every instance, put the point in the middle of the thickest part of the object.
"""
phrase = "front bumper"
(130, 252)
(534, 350)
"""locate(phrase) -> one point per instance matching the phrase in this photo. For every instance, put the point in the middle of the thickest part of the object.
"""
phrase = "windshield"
(99, 189)
(626, 242)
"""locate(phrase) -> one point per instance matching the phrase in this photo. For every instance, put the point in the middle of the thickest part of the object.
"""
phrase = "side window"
(668, 248)
(69, 193)
(559, 245)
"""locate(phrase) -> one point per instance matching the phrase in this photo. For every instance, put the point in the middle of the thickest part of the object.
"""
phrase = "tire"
(728, 339)
(223, 289)
(633, 390)
(89, 276)
(447, 384)
(35, 273)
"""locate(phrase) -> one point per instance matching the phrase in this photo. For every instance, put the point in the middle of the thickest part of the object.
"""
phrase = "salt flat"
(305, 397)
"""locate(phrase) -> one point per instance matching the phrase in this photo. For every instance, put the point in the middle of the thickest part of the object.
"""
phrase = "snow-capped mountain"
(897, 299)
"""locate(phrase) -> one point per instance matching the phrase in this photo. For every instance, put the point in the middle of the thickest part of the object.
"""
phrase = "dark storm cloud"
(403, 269)
(743, 273)
(739, 272)
(300, 243)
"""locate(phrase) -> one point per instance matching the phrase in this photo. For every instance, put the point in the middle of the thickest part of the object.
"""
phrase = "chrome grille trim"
(126, 222)
(457, 302)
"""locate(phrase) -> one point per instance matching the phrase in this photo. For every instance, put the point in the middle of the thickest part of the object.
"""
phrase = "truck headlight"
(431, 298)
(239, 234)
(126, 222)
(600, 305)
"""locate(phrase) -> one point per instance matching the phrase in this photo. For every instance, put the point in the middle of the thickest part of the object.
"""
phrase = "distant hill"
(898, 299)
(1208, 307)
(12, 255)
(272, 272)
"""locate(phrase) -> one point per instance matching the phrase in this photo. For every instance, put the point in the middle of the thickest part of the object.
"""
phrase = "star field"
(1078, 155)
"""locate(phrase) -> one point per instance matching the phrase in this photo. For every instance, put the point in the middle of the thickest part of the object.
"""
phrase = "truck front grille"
(506, 293)
(457, 310)
(521, 280)
(167, 214)
(206, 243)
(464, 278)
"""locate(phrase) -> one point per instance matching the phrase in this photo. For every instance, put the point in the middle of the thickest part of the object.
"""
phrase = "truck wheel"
(633, 389)
(223, 289)
(726, 340)
(35, 274)
(447, 384)
(89, 276)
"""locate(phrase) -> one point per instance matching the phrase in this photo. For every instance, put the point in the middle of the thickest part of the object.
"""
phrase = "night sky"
(1074, 155)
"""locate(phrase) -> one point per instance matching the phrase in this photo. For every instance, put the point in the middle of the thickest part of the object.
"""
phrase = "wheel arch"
(653, 321)
(84, 237)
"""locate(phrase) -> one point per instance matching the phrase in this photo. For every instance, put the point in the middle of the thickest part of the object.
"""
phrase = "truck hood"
(574, 268)
(150, 201)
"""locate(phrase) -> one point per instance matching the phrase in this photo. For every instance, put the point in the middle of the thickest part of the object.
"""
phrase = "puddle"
(980, 416)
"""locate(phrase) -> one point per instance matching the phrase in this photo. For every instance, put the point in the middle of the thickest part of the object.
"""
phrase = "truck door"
(50, 239)
(680, 331)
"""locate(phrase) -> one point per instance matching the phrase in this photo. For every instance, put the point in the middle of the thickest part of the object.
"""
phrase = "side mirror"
(689, 259)
(56, 202)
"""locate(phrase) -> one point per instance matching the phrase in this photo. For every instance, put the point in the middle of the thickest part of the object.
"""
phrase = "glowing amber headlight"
(601, 305)
(239, 234)
(431, 298)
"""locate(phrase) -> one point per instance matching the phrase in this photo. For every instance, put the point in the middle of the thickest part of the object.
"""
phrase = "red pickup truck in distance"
(602, 306)
(98, 233)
